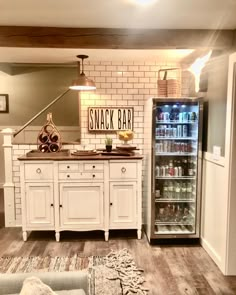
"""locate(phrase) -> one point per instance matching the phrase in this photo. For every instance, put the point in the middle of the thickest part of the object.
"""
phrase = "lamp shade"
(82, 82)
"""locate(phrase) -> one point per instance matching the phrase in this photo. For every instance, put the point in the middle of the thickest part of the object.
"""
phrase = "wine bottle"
(54, 147)
(54, 137)
(43, 138)
(43, 148)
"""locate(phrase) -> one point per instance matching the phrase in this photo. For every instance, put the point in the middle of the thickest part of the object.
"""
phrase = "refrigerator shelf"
(176, 154)
(175, 138)
(174, 200)
(174, 223)
(176, 122)
(176, 177)
(172, 232)
(175, 230)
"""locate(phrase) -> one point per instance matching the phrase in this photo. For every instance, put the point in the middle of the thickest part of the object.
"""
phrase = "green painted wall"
(30, 89)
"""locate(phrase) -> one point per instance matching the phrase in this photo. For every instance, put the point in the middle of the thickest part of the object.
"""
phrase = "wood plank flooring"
(169, 270)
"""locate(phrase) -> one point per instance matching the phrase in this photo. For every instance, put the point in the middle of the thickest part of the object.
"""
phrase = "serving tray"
(85, 153)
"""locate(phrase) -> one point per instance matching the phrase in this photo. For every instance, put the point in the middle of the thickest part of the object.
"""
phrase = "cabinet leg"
(106, 234)
(24, 235)
(57, 235)
(139, 234)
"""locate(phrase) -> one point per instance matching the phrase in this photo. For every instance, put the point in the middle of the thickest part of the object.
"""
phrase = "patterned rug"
(113, 274)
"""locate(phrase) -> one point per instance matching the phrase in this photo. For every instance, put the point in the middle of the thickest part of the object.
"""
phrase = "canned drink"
(176, 171)
(190, 147)
(157, 171)
(166, 116)
(165, 146)
(164, 130)
(182, 147)
(185, 131)
(161, 147)
(169, 146)
(166, 170)
(176, 146)
(185, 116)
(172, 146)
(180, 171)
(162, 171)
(157, 147)
(161, 116)
(174, 132)
(189, 116)
(186, 147)
(158, 194)
(179, 130)
(180, 117)
(167, 132)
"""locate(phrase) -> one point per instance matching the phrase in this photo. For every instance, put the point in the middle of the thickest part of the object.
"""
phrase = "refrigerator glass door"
(176, 136)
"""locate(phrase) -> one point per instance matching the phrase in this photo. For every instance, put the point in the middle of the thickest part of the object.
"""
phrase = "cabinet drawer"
(38, 171)
(93, 167)
(123, 170)
(80, 176)
(68, 167)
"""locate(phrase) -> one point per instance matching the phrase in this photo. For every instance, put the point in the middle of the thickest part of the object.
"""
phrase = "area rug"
(113, 274)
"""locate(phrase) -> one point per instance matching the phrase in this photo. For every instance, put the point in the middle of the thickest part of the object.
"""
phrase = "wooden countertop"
(71, 157)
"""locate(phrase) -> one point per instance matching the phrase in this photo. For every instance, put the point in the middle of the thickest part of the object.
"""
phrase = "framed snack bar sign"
(110, 118)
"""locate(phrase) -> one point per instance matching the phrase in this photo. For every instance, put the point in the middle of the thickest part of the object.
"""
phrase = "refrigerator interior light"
(183, 106)
(166, 106)
(175, 106)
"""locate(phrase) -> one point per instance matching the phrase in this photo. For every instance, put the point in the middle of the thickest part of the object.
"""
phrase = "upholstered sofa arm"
(70, 280)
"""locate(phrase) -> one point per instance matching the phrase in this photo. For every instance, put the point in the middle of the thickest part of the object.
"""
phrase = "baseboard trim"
(212, 253)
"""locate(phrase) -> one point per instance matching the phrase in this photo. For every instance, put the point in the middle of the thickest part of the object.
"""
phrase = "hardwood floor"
(169, 270)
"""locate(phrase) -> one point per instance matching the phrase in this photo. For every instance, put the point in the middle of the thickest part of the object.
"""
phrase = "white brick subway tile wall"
(118, 84)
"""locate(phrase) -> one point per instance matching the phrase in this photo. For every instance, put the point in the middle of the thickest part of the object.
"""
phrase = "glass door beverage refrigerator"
(174, 164)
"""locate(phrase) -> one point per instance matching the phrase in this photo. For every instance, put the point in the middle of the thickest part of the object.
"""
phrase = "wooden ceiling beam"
(100, 38)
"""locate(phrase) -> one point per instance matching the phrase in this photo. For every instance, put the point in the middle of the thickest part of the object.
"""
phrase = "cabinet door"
(123, 205)
(39, 205)
(81, 206)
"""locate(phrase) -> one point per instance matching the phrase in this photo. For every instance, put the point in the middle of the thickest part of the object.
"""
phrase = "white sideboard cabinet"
(81, 195)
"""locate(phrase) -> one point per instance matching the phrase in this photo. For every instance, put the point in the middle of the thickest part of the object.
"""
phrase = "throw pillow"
(34, 286)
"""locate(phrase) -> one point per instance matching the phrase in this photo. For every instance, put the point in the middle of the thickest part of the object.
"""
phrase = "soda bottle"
(170, 190)
(177, 190)
(183, 190)
(190, 167)
(165, 190)
(189, 191)
(171, 168)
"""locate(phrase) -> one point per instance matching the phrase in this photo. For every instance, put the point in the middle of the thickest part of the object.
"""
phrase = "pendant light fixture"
(82, 82)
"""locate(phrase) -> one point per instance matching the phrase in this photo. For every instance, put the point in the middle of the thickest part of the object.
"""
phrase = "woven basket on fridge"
(169, 87)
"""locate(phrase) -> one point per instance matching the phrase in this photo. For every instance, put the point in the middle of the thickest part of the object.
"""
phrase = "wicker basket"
(169, 87)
